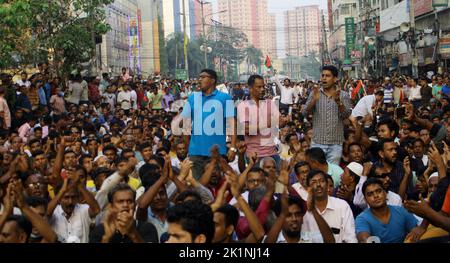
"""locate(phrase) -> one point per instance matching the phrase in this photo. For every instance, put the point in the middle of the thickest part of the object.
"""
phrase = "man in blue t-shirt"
(206, 115)
(391, 224)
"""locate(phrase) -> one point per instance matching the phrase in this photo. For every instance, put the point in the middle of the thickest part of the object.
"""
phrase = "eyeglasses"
(255, 181)
(35, 185)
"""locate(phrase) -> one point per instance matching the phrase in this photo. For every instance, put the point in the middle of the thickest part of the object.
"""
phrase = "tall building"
(195, 16)
(252, 18)
(150, 10)
(115, 50)
(340, 10)
(173, 16)
(303, 30)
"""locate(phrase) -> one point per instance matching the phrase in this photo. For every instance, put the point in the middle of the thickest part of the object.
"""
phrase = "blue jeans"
(333, 152)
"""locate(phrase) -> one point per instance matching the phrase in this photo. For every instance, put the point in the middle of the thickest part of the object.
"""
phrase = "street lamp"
(206, 50)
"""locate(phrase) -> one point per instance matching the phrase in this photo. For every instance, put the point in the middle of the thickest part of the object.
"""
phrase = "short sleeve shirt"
(208, 115)
(401, 222)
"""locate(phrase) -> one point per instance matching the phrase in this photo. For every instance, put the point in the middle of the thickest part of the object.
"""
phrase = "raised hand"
(406, 166)
(125, 221)
(232, 179)
(311, 202)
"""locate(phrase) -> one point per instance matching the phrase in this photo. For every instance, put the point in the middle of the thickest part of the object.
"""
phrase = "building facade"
(303, 30)
(252, 18)
(114, 52)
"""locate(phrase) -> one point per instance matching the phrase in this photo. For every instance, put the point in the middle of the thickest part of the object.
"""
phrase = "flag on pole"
(268, 63)
(358, 91)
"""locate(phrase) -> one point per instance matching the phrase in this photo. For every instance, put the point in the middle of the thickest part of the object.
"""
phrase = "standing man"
(329, 107)
(205, 118)
(258, 117)
(287, 94)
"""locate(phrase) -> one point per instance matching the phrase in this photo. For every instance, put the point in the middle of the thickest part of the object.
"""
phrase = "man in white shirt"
(124, 99)
(181, 151)
(365, 104)
(301, 170)
(69, 218)
(336, 212)
(391, 197)
(287, 94)
(414, 93)
(23, 81)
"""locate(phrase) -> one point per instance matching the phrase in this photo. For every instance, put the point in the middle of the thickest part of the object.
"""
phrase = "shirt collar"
(214, 93)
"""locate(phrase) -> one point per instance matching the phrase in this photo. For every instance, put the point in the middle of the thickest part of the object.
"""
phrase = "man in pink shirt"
(26, 129)
(258, 118)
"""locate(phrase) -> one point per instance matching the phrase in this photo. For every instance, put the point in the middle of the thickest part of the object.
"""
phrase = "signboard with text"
(422, 7)
(349, 35)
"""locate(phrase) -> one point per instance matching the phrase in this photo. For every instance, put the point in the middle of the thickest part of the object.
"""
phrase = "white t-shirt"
(124, 98)
(75, 228)
(364, 106)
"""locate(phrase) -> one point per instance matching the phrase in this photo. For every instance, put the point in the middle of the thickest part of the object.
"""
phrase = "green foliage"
(66, 28)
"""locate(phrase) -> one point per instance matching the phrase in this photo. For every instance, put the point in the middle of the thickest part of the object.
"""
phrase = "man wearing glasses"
(206, 116)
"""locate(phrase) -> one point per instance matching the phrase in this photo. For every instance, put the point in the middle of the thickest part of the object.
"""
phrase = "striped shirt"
(328, 127)
(388, 94)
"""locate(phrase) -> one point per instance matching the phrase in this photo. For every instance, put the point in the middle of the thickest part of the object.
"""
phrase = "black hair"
(371, 181)
(292, 200)
(288, 137)
(121, 159)
(379, 93)
(390, 123)
(253, 78)
(119, 188)
(193, 217)
(34, 201)
(317, 154)
(33, 141)
(298, 165)
(144, 145)
(332, 69)
(382, 142)
(124, 151)
(22, 223)
(211, 73)
(355, 144)
(313, 173)
(84, 156)
(38, 152)
(149, 174)
(255, 196)
(101, 170)
(186, 194)
(231, 214)
(110, 147)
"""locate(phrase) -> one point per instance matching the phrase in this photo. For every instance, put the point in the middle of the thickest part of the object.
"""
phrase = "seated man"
(390, 224)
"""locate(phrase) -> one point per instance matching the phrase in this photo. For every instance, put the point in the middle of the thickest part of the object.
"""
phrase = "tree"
(163, 58)
(62, 29)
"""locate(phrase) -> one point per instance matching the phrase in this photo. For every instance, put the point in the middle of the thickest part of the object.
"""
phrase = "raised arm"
(55, 201)
(324, 228)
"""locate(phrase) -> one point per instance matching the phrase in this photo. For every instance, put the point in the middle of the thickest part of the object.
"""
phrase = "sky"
(277, 7)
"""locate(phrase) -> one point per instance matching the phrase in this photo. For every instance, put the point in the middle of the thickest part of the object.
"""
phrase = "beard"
(292, 234)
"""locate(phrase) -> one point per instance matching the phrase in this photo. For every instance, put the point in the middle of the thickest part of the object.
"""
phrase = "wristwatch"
(234, 149)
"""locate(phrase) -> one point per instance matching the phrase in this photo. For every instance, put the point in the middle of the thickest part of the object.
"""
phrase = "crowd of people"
(129, 160)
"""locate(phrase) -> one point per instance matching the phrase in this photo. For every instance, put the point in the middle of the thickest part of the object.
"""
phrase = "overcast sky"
(278, 6)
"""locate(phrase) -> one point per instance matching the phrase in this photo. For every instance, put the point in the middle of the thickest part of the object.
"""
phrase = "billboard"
(134, 45)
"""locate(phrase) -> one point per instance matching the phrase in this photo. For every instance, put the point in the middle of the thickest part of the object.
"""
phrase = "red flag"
(356, 90)
(268, 62)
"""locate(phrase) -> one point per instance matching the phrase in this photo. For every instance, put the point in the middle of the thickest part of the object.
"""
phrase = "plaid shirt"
(327, 120)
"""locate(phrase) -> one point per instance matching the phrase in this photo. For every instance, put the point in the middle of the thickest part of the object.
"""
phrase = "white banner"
(394, 16)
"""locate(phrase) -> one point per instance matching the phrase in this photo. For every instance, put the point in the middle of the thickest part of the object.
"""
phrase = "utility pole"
(326, 55)
(186, 64)
(412, 23)
(202, 3)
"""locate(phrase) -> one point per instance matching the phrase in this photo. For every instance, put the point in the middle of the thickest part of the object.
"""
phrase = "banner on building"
(444, 46)
(349, 35)
(394, 16)
(422, 7)
(440, 3)
(134, 48)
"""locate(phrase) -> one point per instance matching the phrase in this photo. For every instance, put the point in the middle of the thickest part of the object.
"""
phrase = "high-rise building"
(173, 16)
(195, 16)
(252, 18)
(115, 50)
(303, 30)
(150, 11)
